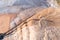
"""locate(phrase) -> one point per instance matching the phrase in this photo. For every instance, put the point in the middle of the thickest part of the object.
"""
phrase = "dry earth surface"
(45, 25)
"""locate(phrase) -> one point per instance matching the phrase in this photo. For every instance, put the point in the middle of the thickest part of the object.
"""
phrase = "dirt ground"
(5, 19)
(48, 27)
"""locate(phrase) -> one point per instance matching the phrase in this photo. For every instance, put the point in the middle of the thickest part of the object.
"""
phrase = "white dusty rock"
(47, 27)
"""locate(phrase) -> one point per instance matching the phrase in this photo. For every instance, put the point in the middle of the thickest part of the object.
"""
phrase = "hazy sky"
(32, 3)
(23, 2)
